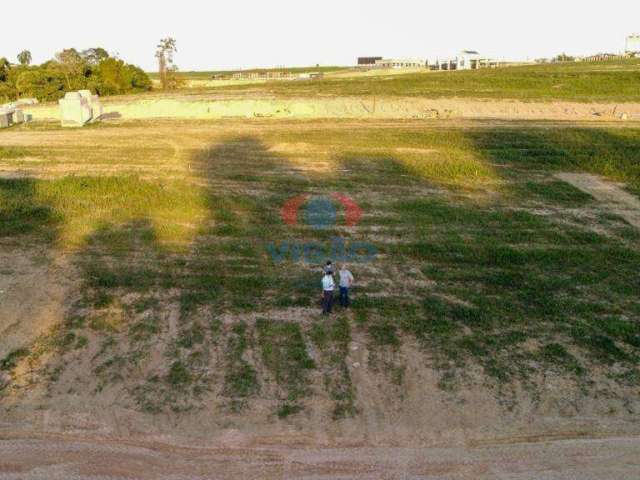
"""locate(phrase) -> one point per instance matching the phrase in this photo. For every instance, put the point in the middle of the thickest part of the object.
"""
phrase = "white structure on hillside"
(400, 63)
(632, 44)
(468, 60)
(465, 60)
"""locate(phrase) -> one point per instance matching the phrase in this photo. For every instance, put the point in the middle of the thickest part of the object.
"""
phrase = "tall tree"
(24, 57)
(72, 65)
(164, 53)
(94, 55)
(4, 69)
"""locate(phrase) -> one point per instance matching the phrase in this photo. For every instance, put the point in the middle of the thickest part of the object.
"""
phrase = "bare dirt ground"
(33, 288)
(65, 457)
(611, 195)
(353, 107)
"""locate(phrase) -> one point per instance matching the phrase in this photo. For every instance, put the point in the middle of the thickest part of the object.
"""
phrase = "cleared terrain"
(610, 81)
(152, 288)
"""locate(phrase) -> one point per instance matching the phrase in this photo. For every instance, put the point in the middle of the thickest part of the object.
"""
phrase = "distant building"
(400, 63)
(468, 60)
(600, 57)
(465, 60)
(632, 44)
(311, 76)
(368, 61)
(258, 75)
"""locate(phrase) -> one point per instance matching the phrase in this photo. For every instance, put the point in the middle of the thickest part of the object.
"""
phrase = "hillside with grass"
(492, 279)
(610, 81)
(207, 75)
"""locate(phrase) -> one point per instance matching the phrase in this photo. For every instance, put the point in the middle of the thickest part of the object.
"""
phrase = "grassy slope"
(616, 81)
(206, 75)
(487, 260)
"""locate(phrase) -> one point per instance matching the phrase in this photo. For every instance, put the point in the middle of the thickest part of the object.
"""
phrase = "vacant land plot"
(193, 301)
(611, 81)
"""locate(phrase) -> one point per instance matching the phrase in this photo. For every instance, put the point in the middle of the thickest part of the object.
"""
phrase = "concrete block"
(18, 116)
(74, 110)
(94, 103)
(97, 110)
(26, 101)
(79, 108)
(6, 118)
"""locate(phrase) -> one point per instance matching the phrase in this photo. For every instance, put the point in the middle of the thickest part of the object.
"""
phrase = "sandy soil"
(33, 289)
(350, 107)
(65, 457)
(611, 195)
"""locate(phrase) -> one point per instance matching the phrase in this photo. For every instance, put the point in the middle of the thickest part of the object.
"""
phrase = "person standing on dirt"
(328, 285)
(346, 281)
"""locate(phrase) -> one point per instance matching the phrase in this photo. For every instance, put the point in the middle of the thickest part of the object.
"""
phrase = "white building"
(633, 44)
(400, 63)
(467, 60)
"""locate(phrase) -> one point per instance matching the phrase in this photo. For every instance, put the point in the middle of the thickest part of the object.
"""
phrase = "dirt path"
(353, 108)
(63, 457)
(613, 196)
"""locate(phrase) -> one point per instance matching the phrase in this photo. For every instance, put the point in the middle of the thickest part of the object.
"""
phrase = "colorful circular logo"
(320, 211)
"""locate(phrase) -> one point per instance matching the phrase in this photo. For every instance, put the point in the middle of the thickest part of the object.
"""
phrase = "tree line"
(92, 69)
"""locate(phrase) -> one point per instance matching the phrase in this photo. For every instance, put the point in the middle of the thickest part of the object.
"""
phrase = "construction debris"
(79, 108)
(11, 115)
(94, 103)
(6, 118)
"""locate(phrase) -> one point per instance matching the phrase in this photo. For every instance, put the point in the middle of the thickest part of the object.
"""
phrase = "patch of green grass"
(22, 212)
(511, 275)
(8, 153)
(287, 409)
(556, 192)
(241, 379)
(78, 206)
(215, 327)
(284, 353)
(603, 348)
(604, 151)
(583, 82)
(555, 354)
(11, 360)
(384, 333)
(81, 342)
(332, 338)
(145, 329)
(179, 375)
(630, 377)
(144, 304)
(190, 336)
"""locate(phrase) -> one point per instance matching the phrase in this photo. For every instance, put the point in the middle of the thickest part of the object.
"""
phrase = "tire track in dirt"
(64, 456)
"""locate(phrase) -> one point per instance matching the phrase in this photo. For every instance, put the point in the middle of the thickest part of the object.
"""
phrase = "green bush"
(71, 71)
(114, 77)
(40, 83)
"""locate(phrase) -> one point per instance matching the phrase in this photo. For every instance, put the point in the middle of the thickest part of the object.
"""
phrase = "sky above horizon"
(269, 33)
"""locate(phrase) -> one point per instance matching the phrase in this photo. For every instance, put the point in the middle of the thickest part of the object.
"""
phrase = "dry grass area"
(172, 301)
